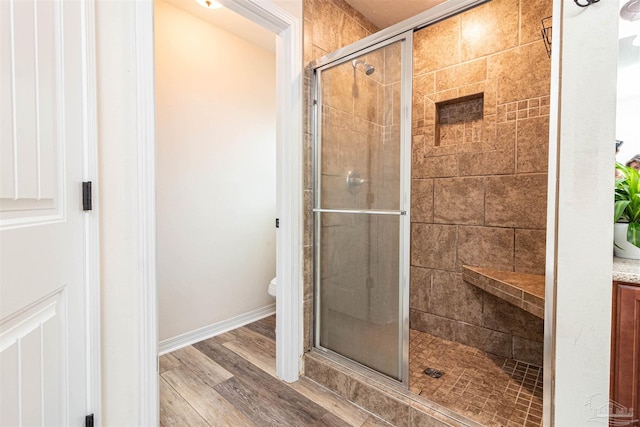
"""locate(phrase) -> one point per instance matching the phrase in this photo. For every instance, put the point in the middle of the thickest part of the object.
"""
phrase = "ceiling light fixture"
(209, 4)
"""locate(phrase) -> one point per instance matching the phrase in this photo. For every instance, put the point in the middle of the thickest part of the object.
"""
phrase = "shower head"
(368, 68)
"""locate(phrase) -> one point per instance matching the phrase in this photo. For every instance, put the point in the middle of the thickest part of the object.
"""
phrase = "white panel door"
(43, 344)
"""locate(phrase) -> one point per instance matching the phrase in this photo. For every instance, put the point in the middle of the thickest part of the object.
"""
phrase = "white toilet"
(273, 285)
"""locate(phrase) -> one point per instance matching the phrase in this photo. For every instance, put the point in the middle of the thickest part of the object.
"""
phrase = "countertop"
(626, 270)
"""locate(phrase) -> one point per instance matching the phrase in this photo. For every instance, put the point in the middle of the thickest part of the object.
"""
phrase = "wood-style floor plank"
(261, 352)
(265, 327)
(263, 399)
(168, 361)
(333, 403)
(206, 369)
(211, 406)
(255, 348)
(175, 411)
(230, 380)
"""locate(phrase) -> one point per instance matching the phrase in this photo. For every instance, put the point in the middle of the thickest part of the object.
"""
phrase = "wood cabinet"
(625, 351)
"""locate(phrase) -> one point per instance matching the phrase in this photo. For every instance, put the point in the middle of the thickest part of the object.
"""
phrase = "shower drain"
(433, 373)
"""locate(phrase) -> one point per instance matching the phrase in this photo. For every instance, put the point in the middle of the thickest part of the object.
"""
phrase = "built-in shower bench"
(520, 289)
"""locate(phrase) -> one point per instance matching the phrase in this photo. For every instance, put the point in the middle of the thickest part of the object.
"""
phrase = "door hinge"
(88, 421)
(277, 222)
(86, 196)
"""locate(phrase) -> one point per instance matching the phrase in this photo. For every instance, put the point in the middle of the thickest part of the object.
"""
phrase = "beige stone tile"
(307, 154)
(531, 15)
(308, 9)
(422, 200)
(462, 75)
(528, 351)
(516, 201)
(420, 288)
(445, 95)
(422, 419)
(392, 63)
(342, 408)
(489, 28)
(487, 247)
(503, 316)
(352, 31)
(453, 298)
(379, 403)
(307, 261)
(307, 333)
(521, 73)
(530, 252)
(423, 85)
(365, 97)
(494, 342)
(433, 246)
(330, 378)
(338, 88)
(432, 324)
(533, 144)
(308, 41)
(437, 46)
(496, 162)
(534, 309)
(459, 201)
(434, 167)
(327, 19)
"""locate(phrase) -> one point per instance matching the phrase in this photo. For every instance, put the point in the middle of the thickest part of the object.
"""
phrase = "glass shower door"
(362, 178)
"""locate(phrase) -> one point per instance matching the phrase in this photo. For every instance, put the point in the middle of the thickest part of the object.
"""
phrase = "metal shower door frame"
(406, 40)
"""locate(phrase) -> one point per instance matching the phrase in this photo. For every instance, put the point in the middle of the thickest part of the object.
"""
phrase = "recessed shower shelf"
(520, 289)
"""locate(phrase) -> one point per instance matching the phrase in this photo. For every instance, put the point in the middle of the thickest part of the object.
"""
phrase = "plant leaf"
(633, 234)
(619, 208)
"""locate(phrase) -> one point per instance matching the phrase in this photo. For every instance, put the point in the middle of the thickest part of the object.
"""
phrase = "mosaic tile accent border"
(526, 108)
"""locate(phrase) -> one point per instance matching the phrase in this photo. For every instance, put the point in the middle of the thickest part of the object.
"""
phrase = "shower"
(368, 68)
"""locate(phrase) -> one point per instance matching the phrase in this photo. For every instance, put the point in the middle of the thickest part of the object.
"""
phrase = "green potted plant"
(627, 213)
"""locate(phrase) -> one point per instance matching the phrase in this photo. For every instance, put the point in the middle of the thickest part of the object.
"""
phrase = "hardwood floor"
(230, 380)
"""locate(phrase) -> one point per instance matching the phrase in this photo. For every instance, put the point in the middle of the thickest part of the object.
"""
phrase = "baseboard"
(171, 344)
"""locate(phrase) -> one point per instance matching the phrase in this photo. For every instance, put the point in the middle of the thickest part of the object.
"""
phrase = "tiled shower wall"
(479, 179)
(477, 198)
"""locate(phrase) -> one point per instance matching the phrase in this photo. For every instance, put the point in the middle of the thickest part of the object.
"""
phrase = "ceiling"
(383, 13)
(231, 22)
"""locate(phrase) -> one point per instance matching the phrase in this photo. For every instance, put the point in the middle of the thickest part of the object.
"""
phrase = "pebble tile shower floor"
(492, 390)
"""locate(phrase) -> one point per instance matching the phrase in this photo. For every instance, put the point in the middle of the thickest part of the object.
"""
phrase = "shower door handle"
(357, 211)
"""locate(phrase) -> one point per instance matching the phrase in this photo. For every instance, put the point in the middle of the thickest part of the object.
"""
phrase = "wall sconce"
(209, 4)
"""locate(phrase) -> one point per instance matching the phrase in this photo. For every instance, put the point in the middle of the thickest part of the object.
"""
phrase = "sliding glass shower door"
(362, 178)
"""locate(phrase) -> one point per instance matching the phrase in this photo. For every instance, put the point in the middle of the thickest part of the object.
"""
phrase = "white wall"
(117, 151)
(628, 111)
(216, 188)
(579, 224)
